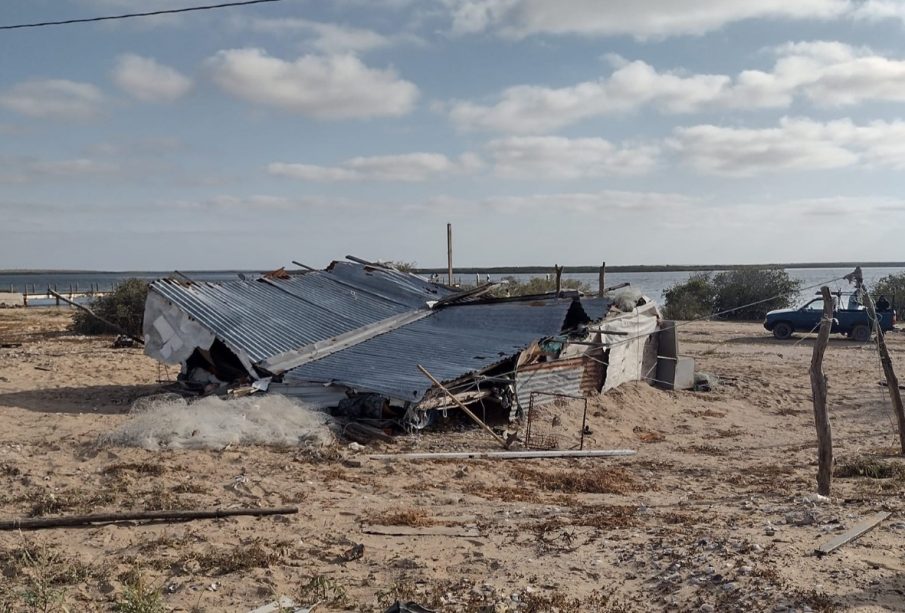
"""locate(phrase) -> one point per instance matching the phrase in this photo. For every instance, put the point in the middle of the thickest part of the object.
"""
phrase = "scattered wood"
(364, 434)
(504, 455)
(465, 409)
(421, 531)
(853, 533)
(37, 523)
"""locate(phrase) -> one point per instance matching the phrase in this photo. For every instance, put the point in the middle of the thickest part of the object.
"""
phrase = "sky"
(569, 132)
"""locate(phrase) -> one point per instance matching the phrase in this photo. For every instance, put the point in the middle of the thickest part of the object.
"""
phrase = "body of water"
(652, 284)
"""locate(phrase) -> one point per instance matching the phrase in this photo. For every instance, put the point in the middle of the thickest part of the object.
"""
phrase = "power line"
(130, 15)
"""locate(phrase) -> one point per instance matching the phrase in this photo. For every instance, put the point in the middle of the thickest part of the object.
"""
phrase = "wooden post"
(449, 253)
(601, 280)
(891, 380)
(557, 269)
(818, 389)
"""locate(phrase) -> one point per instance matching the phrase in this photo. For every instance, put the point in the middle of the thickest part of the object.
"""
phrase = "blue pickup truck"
(853, 322)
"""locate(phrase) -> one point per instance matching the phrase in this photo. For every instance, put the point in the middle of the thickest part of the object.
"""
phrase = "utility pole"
(892, 382)
(449, 254)
(818, 388)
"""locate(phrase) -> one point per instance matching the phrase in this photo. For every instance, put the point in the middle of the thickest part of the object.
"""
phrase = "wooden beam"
(505, 455)
(35, 523)
(852, 533)
(818, 389)
(464, 408)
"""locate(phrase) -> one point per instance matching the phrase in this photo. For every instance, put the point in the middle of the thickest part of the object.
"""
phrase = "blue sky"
(651, 132)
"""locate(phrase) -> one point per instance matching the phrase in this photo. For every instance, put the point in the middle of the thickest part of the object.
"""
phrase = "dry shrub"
(869, 467)
(45, 502)
(243, 557)
(404, 517)
(151, 469)
(605, 516)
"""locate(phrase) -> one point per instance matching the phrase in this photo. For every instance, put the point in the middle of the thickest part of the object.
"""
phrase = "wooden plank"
(35, 523)
(505, 455)
(421, 531)
(852, 533)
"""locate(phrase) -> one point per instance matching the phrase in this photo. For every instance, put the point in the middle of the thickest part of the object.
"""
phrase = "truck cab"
(850, 318)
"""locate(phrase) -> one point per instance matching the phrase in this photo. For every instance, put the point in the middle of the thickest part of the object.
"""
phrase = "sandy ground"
(712, 514)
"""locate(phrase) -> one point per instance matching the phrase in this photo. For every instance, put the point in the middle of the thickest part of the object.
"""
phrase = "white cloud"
(324, 87)
(555, 157)
(825, 73)
(606, 201)
(642, 19)
(53, 98)
(147, 80)
(24, 170)
(795, 145)
(327, 37)
(409, 167)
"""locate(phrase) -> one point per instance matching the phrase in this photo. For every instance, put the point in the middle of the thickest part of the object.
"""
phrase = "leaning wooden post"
(464, 408)
(601, 280)
(892, 382)
(818, 388)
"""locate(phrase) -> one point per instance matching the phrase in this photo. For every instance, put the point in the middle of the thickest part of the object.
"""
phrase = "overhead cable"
(131, 15)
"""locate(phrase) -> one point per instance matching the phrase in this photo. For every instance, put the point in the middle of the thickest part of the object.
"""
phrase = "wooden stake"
(558, 272)
(892, 381)
(449, 254)
(35, 523)
(818, 388)
(464, 408)
(601, 280)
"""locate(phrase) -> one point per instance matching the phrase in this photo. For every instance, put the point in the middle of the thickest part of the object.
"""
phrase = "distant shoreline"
(502, 270)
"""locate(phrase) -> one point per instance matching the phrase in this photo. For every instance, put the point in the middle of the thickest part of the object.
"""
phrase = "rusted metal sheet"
(574, 376)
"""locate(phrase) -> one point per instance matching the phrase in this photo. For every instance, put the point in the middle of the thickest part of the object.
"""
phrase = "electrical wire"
(131, 15)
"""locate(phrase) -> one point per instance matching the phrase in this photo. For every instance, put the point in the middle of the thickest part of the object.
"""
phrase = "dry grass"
(146, 469)
(404, 517)
(240, 558)
(599, 480)
(869, 467)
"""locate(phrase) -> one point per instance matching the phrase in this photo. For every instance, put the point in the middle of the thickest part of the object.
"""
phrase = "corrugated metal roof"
(263, 318)
(451, 343)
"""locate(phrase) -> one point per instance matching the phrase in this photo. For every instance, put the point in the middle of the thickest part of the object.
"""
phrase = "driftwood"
(364, 434)
(854, 532)
(37, 523)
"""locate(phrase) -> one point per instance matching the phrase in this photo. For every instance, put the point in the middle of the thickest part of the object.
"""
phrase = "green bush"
(125, 306)
(692, 299)
(891, 286)
(537, 285)
(704, 294)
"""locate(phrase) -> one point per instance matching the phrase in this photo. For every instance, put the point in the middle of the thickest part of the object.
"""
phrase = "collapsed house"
(351, 337)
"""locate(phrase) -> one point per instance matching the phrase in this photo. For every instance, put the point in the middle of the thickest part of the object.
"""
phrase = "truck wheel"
(782, 331)
(860, 333)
